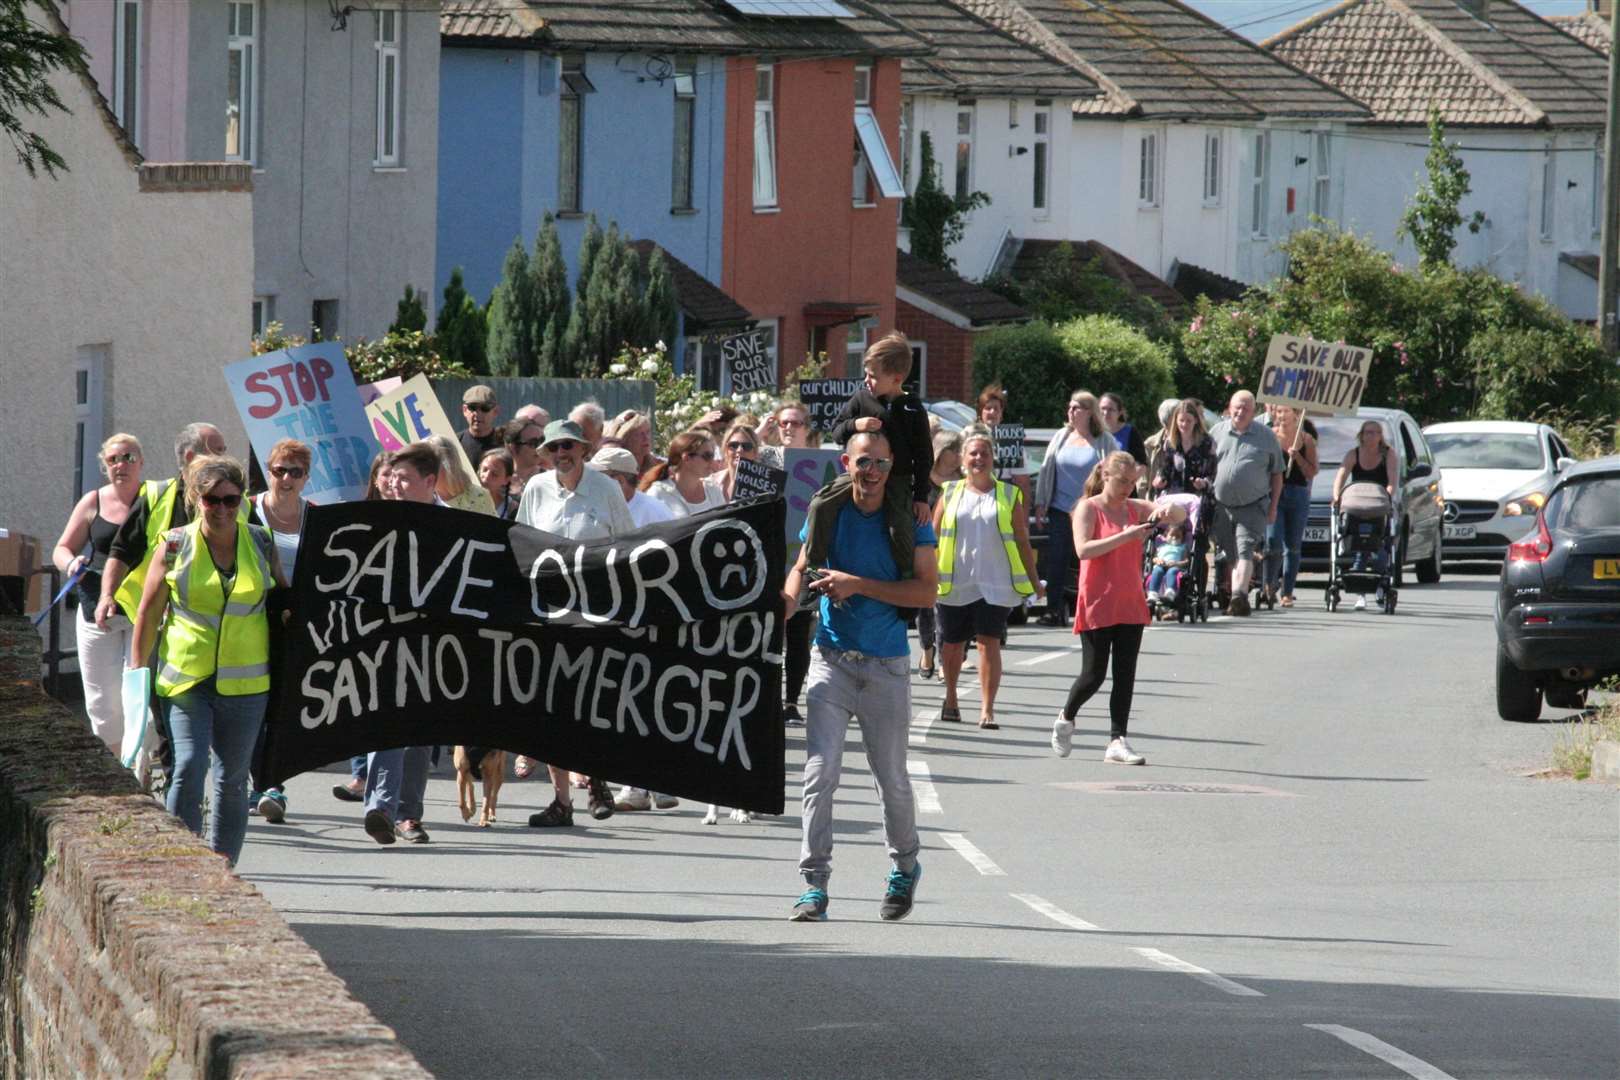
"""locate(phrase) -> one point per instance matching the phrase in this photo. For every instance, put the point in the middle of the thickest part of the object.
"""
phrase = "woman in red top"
(1109, 530)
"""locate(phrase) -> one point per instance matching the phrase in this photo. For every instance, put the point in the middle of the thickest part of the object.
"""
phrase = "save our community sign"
(1316, 376)
(307, 393)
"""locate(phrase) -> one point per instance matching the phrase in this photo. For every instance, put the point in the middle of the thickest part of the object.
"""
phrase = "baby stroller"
(1187, 598)
(1364, 529)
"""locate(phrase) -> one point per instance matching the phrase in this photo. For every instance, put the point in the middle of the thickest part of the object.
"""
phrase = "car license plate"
(1606, 569)
(1316, 534)
(1461, 532)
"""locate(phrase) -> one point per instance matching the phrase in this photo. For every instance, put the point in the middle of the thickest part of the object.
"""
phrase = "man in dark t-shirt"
(479, 408)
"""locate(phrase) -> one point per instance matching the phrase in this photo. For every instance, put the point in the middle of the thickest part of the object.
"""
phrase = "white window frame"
(1260, 185)
(908, 115)
(861, 183)
(1148, 178)
(572, 86)
(129, 71)
(1040, 193)
(683, 173)
(1597, 186)
(1549, 184)
(1012, 113)
(1321, 174)
(390, 80)
(962, 157)
(863, 83)
(766, 195)
(89, 415)
(247, 104)
(1213, 147)
(264, 313)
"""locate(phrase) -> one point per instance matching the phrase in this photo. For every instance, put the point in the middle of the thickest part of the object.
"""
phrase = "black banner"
(824, 398)
(653, 659)
(751, 366)
(756, 480)
(1009, 446)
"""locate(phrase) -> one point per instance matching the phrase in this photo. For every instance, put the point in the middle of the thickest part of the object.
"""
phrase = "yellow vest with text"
(1007, 497)
(159, 496)
(212, 633)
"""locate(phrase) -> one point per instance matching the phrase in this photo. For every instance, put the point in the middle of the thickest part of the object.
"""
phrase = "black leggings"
(797, 661)
(1125, 642)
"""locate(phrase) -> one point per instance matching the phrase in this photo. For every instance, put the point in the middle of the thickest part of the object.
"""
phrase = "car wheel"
(1518, 698)
(1428, 572)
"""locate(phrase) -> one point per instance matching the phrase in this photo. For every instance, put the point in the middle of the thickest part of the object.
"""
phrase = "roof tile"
(973, 57)
(948, 289)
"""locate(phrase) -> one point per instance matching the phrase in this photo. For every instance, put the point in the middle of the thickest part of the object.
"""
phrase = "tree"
(576, 336)
(510, 335)
(1432, 216)
(29, 54)
(409, 314)
(461, 329)
(551, 304)
(935, 218)
(658, 301)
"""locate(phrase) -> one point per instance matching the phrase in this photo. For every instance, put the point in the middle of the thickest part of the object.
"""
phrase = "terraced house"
(1523, 98)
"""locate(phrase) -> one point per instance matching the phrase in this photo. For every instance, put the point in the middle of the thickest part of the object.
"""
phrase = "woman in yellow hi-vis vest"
(985, 570)
(212, 668)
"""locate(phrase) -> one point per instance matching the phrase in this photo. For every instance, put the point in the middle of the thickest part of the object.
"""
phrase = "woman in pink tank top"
(1109, 530)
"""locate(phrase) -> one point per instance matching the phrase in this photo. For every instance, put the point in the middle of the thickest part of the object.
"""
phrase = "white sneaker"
(1168, 596)
(1361, 603)
(1119, 752)
(1152, 597)
(633, 799)
(1062, 736)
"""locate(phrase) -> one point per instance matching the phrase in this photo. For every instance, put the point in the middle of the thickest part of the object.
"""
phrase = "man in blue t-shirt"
(861, 668)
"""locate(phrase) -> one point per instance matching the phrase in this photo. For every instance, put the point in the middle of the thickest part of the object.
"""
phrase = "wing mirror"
(1420, 470)
(1563, 463)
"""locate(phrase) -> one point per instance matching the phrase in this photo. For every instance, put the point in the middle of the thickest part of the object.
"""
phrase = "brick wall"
(950, 352)
(127, 948)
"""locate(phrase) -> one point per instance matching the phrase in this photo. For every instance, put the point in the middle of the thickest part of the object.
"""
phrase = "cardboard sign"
(756, 480)
(808, 471)
(653, 659)
(371, 391)
(823, 399)
(1314, 375)
(751, 366)
(411, 413)
(1009, 446)
(307, 393)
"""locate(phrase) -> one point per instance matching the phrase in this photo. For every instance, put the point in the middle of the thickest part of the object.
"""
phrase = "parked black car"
(1558, 605)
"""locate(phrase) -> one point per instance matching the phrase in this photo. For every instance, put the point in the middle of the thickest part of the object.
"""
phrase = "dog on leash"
(741, 817)
(490, 766)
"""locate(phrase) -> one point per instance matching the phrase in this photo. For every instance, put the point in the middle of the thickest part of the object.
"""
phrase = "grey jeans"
(396, 782)
(876, 691)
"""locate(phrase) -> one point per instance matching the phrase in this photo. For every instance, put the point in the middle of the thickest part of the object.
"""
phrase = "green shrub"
(1109, 355)
(1040, 365)
(1030, 363)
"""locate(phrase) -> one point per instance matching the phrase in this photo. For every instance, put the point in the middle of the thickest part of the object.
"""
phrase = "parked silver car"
(1498, 474)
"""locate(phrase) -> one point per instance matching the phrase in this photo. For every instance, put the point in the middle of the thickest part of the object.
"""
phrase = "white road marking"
(976, 858)
(1046, 657)
(1203, 975)
(1378, 1048)
(919, 728)
(1053, 912)
(922, 788)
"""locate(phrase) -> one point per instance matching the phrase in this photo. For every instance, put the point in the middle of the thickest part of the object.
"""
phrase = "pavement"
(1334, 864)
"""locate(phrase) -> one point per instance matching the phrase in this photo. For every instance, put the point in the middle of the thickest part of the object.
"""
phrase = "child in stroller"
(1177, 588)
(1169, 559)
(1364, 528)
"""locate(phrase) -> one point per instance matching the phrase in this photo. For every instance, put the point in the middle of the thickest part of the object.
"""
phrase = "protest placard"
(756, 480)
(1316, 376)
(824, 398)
(808, 471)
(410, 413)
(654, 659)
(307, 393)
(750, 365)
(1009, 440)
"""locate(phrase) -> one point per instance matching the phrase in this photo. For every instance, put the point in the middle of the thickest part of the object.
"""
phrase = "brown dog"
(490, 765)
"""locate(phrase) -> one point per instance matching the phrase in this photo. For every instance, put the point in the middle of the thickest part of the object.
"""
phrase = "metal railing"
(51, 659)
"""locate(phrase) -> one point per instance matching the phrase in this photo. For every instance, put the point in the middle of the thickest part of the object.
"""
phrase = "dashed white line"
(919, 728)
(1378, 1048)
(922, 788)
(1046, 657)
(1053, 912)
(976, 858)
(1203, 975)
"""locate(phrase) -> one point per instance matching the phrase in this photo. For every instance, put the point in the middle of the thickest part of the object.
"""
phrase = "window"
(855, 347)
(1322, 176)
(388, 83)
(1043, 155)
(863, 84)
(323, 320)
(964, 149)
(1260, 184)
(572, 89)
(764, 137)
(872, 159)
(1549, 178)
(680, 192)
(862, 179)
(241, 80)
(89, 410)
(1212, 168)
(264, 313)
(1597, 187)
(127, 64)
(1147, 175)
(1012, 112)
(907, 120)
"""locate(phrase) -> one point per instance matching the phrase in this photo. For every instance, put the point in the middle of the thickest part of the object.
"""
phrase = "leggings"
(1125, 642)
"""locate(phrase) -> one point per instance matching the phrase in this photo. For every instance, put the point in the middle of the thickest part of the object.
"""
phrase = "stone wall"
(127, 948)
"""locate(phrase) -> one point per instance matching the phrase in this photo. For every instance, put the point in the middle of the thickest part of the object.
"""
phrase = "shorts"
(1240, 531)
(961, 623)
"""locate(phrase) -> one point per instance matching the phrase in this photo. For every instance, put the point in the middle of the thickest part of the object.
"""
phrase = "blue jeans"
(396, 782)
(357, 766)
(1164, 577)
(1285, 535)
(211, 729)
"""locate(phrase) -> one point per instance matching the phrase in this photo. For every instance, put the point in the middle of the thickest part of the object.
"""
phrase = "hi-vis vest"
(159, 496)
(210, 632)
(1006, 495)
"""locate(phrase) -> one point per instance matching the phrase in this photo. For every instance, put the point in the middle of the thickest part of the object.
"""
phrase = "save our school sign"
(307, 393)
(1316, 376)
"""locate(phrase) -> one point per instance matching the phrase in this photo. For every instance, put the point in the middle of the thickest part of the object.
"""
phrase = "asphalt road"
(1332, 865)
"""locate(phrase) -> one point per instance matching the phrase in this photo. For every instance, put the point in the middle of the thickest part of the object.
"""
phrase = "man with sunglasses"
(861, 668)
(479, 408)
(578, 503)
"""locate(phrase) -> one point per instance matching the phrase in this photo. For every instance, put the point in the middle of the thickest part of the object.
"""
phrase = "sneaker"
(557, 815)
(411, 832)
(901, 892)
(353, 791)
(1062, 736)
(632, 799)
(1152, 596)
(790, 714)
(1119, 752)
(272, 806)
(1239, 606)
(1168, 596)
(1361, 603)
(665, 802)
(600, 803)
(811, 907)
(379, 827)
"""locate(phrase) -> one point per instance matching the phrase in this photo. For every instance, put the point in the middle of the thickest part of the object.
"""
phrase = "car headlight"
(1525, 505)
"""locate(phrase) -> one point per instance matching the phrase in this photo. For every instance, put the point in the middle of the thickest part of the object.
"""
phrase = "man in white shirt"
(619, 465)
(580, 504)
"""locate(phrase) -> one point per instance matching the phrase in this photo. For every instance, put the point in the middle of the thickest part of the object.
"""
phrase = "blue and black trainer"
(901, 892)
(812, 906)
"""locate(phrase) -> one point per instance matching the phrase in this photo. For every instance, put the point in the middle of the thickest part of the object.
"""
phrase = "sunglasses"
(287, 472)
(739, 447)
(479, 408)
(878, 465)
(229, 502)
(564, 444)
(791, 423)
(125, 458)
(532, 444)
(706, 455)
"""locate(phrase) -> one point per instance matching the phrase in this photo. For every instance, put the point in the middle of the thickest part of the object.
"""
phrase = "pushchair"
(1363, 528)
(1190, 602)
